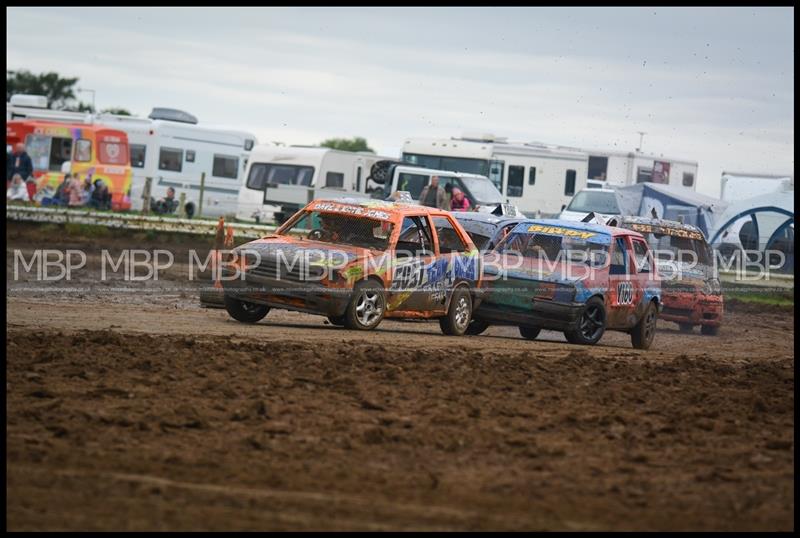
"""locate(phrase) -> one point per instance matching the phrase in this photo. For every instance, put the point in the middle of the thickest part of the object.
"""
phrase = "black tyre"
(337, 320)
(709, 330)
(644, 332)
(459, 313)
(244, 311)
(476, 327)
(529, 333)
(591, 324)
(685, 327)
(366, 308)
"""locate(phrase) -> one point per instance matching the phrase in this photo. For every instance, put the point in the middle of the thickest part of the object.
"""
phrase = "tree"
(347, 144)
(60, 91)
(116, 110)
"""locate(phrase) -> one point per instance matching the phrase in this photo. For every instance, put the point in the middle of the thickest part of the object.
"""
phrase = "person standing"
(433, 195)
(20, 163)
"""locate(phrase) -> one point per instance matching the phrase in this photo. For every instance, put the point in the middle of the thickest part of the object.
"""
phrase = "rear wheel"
(591, 324)
(709, 330)
(244, 311)
(685, 327)
(366, 308)
(459, 313)
(529, 333)
(476, 327)
(643, 333)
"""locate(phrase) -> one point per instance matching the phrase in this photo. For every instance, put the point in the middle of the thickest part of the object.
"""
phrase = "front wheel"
(709, 330)
(643, 333)
(366, 308)
(591, 324)
(529, 333)
(244, 311)
(456, 321)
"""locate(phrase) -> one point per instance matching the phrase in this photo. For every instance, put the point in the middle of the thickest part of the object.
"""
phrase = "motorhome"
(172, 149)
(482, 194)
(282, 179)
(608, 169)
(93, 152)
(538, 178)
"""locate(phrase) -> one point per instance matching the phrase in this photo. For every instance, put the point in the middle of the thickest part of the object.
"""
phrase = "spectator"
(61, 195)
(17, 191)
(433, 195)
(101, 196)
(30, 184)
(20, 163)
(459, 202)
(86, 190)
(75, 191)
(166, 205)
(448, 194)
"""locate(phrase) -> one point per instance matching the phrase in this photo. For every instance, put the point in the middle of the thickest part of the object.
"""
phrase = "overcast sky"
(713, 85)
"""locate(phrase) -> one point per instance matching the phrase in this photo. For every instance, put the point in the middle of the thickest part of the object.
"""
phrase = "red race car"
(356, 262)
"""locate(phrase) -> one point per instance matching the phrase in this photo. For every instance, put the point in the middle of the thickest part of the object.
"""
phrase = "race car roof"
(597, 233)
(371, 208)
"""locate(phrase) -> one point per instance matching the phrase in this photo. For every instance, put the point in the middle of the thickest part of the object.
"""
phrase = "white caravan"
(282, 179)
(738, 186)
(538, 178)
(170, 148)
(621, 168)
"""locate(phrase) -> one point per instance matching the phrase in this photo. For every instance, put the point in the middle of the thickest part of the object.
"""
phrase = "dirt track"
(146, 412)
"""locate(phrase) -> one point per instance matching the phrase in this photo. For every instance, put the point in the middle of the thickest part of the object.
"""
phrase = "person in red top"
(459, 201)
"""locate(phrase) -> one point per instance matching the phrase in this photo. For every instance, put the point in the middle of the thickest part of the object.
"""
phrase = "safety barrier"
(128, 221)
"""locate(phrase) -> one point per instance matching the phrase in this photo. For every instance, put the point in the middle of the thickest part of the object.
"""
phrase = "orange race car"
(356, 262)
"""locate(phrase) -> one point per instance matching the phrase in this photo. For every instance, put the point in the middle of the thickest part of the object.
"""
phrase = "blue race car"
(575, 277)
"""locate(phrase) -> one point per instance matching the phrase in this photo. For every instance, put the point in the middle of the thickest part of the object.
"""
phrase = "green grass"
(766, 296)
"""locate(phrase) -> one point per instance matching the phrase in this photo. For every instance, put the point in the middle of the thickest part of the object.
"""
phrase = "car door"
(454, 263)
(643, 266)
(413, 260)
(620, 296)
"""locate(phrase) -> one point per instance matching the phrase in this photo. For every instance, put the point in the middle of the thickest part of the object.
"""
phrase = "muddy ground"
(143, 411)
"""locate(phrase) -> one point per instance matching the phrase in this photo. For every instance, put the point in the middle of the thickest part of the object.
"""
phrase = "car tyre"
(476, 327)
(459, 313)
(709, 330)
(644, 332)
(366, 308)
(245, 311)
(529, 333)
(591, 324)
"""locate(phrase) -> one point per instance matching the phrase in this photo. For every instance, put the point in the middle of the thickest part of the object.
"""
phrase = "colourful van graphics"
(93, 151)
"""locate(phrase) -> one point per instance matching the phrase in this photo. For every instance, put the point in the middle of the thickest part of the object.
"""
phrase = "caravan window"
(334, 179)
(190, 154)
(516, 181)
(597, 168)
(262, 174)
(138, 152)
(532, 176)
(225, 166)
(644, 175)
(453, 164)
(688, 179)
(170, 159)
(83, 150)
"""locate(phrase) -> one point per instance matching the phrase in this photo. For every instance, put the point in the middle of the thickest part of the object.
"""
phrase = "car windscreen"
(682, 249)
(340, 229)
(482, 190)
(599, 202)
(554, 248)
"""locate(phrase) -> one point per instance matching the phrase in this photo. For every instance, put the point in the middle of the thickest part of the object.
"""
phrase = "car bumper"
(309, 297)
(694, 309)
(543, 314)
